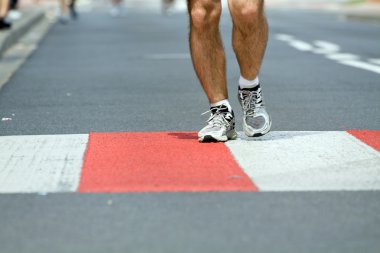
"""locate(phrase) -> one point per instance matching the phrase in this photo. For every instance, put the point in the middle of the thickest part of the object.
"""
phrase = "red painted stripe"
(370, 137)
(159, 162)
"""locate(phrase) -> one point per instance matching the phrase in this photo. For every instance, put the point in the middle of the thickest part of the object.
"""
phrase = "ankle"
(224, 102)
(248, 84)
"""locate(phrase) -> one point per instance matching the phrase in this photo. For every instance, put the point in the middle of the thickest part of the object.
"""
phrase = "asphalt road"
(133, 74)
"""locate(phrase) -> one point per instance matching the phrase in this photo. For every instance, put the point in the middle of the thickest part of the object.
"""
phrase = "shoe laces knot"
(217, 117)
(251, 101)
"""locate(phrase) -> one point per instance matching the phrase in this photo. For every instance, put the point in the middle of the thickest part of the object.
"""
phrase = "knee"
(205, 14)
(247, 12)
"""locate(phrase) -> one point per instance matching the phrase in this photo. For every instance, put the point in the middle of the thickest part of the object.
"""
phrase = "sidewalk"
(366, 11)
(17, 43)
(30, 17)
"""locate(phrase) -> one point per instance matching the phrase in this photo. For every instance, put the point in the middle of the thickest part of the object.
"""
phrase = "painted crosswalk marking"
(159, 162)
(308, 161)
(41, 163)
(176, 162)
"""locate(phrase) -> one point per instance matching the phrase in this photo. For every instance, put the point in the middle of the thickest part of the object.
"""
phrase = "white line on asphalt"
(174, 56)
(330, 51)
(308, 161)
(301, 45)
(41, 163)
(284, 37)
(374, 61)
(362, 65)
(342, 57)
(325, 47)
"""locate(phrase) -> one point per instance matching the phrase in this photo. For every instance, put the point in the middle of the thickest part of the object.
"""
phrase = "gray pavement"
(102, 64)
(98, 74)
(191, 222)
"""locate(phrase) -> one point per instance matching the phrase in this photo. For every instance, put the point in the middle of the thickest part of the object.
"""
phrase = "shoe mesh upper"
(255, 122)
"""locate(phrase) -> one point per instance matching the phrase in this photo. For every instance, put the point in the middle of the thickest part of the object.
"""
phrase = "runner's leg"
(249, 35)
(249, 39)
(207, 48)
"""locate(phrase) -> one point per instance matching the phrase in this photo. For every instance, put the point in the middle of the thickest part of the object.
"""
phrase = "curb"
(10, 37)
(363, 17)
(17, 46)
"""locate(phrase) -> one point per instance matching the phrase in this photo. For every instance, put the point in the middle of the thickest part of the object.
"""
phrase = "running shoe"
(256, 120)
(4, 24)
(220, 126)
(14, 15)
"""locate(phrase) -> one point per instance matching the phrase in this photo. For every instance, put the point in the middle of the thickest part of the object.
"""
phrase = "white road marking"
(362, 65)
(374, 61)
(279, 161)
(325, 47)
(175, 56)
(41, 163)
(308, 161)
(301, 45)
(342, 57)
(284, 37)
(330, 51)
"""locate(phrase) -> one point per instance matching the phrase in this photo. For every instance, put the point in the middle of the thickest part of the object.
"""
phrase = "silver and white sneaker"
(256, 120)
(220, 126)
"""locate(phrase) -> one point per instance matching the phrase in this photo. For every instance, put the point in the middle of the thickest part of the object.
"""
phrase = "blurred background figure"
(167, 5)
(73, 10)
(63, 12)
(4, 5)
(67, 10)
(14, 13)
(116, 9)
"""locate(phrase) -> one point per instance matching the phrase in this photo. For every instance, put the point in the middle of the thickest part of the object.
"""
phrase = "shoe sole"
(267, 130)
(231, 135)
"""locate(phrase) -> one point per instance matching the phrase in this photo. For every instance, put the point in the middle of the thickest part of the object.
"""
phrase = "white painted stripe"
(331, 51)
(306, 161)
(284, 37)
(342, 57)
(174, 56)
(41, 163)
(374, 61)
(325, 47)
(301, 45)
(362, 65)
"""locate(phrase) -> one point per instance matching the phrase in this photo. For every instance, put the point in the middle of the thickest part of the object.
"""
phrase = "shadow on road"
(185, 136)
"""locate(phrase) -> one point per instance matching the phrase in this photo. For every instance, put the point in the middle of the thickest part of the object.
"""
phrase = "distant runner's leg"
(64, 12)
(166, 6)
(4, 4)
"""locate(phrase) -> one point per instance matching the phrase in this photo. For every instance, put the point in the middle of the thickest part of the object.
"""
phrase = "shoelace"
(216, 119)
(250, 99)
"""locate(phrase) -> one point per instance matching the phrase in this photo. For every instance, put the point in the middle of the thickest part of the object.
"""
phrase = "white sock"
(246, 84)
(223, 102)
